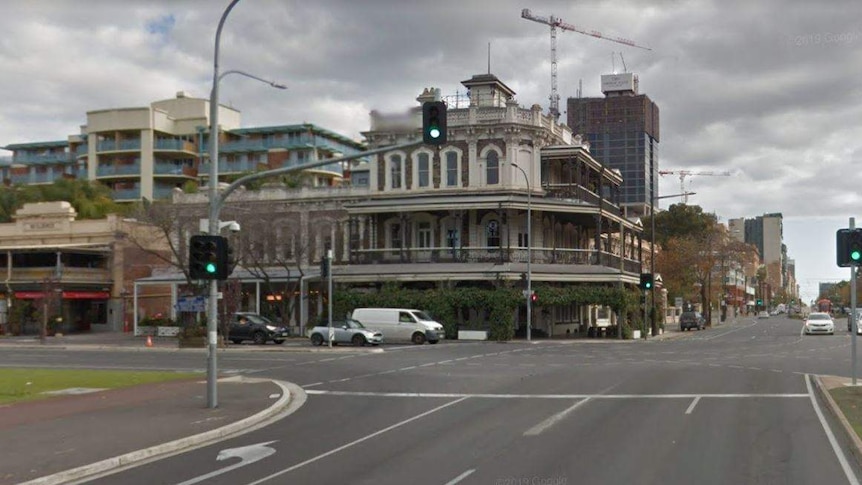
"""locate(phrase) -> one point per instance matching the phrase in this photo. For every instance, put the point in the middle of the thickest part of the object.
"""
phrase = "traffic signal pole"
(854, 323)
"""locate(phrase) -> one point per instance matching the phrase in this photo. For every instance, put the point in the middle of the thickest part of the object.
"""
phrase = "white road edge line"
(692, 405)
(454, 395)
(460, 477)
(537, 429)
(839, 453)
(356, 442)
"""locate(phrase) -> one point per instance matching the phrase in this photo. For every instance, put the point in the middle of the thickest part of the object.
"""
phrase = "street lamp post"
(529, 291)
(214, 207)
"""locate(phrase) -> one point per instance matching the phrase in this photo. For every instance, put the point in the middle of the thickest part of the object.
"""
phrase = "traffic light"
(534, 297)
(434, 122)
(208, 257)
(523, 283)
(646, 281)
(759, 302)
(849, 247)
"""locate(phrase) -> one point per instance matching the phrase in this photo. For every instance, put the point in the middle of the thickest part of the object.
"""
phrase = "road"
(730, 404)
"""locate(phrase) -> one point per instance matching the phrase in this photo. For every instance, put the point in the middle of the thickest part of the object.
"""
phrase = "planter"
(472, 335)
(636, 334)
(145, 331)
(167, 331)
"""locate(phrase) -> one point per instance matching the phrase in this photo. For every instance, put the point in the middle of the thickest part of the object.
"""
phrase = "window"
(451, 169)
(423, 235)
(395, 172)
(395, 236)
(523, 240)
(492, 233)
(493, 168)
(424, 170)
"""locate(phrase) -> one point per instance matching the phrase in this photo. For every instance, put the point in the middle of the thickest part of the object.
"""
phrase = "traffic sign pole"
(854, 324)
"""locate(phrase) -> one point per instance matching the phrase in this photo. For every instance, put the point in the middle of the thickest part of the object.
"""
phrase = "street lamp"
(529, 292)
(212, 302)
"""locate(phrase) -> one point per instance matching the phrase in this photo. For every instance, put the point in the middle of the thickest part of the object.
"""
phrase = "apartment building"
(147, 152)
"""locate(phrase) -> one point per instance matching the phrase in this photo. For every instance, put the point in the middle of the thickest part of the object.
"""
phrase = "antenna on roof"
(489, 58)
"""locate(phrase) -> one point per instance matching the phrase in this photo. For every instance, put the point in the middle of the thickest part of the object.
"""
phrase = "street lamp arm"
(252, 76)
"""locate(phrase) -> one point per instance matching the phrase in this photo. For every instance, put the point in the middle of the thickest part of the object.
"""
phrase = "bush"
(193, 331)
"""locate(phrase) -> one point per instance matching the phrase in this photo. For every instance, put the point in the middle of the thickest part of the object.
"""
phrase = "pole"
(529, 292)
(853, 321)
(329, 293)
(212, 302)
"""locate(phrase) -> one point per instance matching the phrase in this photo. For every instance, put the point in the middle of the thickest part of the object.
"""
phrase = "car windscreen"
(422, 316)
(815, 316)
(354, 324)
(253, 318)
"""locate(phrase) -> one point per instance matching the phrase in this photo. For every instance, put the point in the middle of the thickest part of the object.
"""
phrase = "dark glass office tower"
(623, 131)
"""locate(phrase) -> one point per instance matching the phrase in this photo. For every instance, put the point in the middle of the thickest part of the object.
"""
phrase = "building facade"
(623, 131)
(450, 215)
(146, 152)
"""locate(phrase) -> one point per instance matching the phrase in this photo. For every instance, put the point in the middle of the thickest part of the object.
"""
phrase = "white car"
(819, 323)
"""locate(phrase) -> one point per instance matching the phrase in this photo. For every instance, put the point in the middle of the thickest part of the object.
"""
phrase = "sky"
(767, 90)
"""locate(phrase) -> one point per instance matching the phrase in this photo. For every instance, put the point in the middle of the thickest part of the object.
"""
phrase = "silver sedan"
(346, 332)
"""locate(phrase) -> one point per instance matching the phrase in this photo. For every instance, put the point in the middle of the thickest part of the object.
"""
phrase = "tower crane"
(555, 22)
(685, 173)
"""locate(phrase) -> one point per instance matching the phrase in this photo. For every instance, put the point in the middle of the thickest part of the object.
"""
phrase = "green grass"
(30, 384)
(849, 399)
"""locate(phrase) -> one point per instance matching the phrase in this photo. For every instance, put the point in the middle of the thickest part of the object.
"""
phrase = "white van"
(401, 324)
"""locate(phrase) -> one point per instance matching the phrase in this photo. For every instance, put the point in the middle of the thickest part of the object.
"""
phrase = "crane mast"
(555, 22)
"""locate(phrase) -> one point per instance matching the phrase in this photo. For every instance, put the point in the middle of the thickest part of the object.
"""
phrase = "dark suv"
(691, 320)
(257, 328)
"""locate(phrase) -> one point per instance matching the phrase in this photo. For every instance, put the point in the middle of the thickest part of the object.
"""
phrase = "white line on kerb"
(537, 429)
(692, 405)
(839, 453)
(356, 442)
(460, 477)
(550, 396)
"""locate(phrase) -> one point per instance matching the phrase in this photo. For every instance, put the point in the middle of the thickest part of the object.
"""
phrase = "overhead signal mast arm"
(555, 22)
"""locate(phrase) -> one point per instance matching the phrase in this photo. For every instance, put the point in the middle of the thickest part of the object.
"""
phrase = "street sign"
(677, 302)
(191, 304)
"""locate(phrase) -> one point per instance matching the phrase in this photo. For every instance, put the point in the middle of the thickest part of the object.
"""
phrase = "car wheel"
(418, 338)
(259, 338)
(316, 339)
(279, 341)
(236, 340)
(358, 340)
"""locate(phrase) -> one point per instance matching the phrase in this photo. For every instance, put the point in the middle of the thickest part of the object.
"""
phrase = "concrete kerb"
(292, 398)
(244, 348)
(822, 384)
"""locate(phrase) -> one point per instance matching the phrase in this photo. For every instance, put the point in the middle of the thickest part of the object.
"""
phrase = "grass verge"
(849, 399)
(31, 384)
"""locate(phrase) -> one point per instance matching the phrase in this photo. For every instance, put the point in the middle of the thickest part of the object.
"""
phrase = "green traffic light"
(211, 268)
(434, 132)
(855, 255)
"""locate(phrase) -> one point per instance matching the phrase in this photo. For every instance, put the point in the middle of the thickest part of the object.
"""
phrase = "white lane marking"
(428, 364)
(537, 429)
(407, 368)
(692, 405)
(550, 396)
(839, 453)
(313, 384)
(460, 477)
(357, 441)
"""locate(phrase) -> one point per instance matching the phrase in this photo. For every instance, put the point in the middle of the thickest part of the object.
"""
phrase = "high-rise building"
(623, 131)
(766, 232)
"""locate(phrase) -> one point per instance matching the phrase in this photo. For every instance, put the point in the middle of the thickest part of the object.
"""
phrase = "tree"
(680, 220)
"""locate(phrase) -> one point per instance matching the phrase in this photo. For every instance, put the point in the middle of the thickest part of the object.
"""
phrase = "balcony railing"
(178, 145)
(121, 145)
(126, 194)
(110, 170)
(588, 257)
(58, 157)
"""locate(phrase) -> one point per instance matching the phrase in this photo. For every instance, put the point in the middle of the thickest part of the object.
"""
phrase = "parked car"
(689, 320)
(257, 328)
(763, 314)
(858, 321)
(819, 323)
(346, 331)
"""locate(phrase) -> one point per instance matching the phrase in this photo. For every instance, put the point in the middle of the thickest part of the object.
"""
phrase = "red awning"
(68, 295)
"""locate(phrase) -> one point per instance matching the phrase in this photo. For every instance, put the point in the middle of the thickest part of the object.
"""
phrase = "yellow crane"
(685, 173)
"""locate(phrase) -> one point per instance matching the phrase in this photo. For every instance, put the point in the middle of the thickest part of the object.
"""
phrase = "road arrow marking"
(246, 454)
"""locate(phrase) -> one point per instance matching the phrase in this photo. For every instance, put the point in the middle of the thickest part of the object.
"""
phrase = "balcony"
(229, 167)
(42, 158)
(118, 170)
(36, 178)
(175, 145)
(586, 257)
(126, 194)
(174, 169)
(119, 146)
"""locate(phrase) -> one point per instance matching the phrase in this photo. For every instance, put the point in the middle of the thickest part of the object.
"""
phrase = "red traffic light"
(534, 297)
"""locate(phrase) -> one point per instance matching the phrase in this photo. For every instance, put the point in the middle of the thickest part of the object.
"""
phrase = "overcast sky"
(768, 90)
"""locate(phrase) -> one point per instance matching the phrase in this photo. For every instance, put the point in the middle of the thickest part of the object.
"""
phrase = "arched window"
(395, 171)
(492, 234)
(424, 170)
(492, 168)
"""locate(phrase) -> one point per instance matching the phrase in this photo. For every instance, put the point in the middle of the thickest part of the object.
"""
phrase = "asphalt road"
(731, 404)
